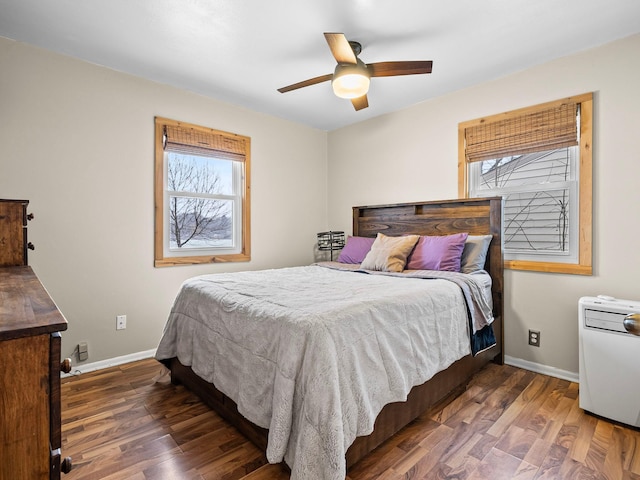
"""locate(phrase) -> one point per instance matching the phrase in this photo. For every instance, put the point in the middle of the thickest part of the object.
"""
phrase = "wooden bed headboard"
(476, 216)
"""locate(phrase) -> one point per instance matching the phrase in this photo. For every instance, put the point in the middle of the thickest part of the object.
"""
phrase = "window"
(540, 193)
(201, 195)
(539, 160)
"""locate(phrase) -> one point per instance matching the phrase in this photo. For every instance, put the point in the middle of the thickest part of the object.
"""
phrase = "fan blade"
(392, 69)
(360, 102)
(306, 83)
(340, 48)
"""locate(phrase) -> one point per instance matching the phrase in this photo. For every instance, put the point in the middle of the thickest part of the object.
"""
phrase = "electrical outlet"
(534, 338)
(121, 322)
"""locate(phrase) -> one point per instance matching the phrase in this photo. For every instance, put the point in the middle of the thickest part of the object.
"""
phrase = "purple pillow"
(438, 253)
(356, 249)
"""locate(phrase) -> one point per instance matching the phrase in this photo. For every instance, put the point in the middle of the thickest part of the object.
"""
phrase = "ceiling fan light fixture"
(351, 81)
(351, 76)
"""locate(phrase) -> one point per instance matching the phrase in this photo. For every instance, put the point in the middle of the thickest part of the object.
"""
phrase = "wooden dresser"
(13, 232)
(30, 350)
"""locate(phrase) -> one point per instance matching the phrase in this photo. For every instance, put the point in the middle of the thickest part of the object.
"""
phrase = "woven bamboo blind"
(205, 143)
(546, 129)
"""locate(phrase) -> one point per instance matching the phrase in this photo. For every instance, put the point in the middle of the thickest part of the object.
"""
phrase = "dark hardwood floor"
(509, 424)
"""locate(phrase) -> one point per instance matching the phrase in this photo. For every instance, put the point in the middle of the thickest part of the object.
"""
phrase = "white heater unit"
(609, 347)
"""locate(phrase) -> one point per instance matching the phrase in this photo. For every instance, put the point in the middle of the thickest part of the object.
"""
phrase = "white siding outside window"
(540, 192)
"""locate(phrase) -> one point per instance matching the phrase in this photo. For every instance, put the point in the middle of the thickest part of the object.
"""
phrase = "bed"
(316, 406)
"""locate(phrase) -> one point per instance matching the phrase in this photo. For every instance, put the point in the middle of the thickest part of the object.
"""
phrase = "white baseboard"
(543, 369)
(516, 362)
(110, 362)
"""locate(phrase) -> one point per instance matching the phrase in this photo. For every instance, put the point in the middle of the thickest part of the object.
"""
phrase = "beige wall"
(411, 155)
(77, 141)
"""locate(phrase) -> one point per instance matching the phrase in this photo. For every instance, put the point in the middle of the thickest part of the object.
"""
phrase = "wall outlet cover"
(534, 338)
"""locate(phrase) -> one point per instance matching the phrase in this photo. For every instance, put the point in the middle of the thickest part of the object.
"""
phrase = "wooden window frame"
(245, 246)
(584, 265)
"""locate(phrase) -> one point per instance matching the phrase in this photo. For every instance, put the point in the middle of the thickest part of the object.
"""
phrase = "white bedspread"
(314, 353)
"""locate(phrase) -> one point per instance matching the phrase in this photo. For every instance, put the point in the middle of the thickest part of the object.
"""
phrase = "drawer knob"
(30, 216)
(66, 465)
(31, 246)
(65, 366)
(631, 323)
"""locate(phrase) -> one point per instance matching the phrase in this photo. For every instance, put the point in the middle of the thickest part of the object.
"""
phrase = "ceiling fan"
(352, 76)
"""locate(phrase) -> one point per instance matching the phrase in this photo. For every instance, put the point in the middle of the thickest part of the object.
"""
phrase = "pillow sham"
(474, 254)
(355, 249)
(438, 253)
(389, 254)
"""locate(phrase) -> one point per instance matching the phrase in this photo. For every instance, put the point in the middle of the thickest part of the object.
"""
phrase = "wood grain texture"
(13, 232)
(30, 427)
(26, 308)
(340, 48)
(508, 424)
(24, 408)
(393, 69)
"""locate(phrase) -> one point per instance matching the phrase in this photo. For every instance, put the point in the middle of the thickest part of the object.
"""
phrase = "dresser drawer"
(30, 349)
(25, 408)
(13, 232)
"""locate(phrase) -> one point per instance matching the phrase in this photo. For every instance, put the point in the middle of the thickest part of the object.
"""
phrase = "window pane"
(537, 221)
(529, 169)
(538, 212)
(196, 222)
(191, 173)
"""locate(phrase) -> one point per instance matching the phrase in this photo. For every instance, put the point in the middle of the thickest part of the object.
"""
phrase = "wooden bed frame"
(480, 216)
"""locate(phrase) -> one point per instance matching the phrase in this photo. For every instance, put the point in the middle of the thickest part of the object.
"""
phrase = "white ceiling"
(241, 51)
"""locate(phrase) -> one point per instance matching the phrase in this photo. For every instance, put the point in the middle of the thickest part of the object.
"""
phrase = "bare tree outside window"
(197, 218)
(202, 195)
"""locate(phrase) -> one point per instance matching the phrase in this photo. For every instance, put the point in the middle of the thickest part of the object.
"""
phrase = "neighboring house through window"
(202, 195)
(539, 160)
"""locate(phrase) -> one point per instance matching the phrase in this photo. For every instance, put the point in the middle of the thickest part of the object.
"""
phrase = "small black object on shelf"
(330, 241)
